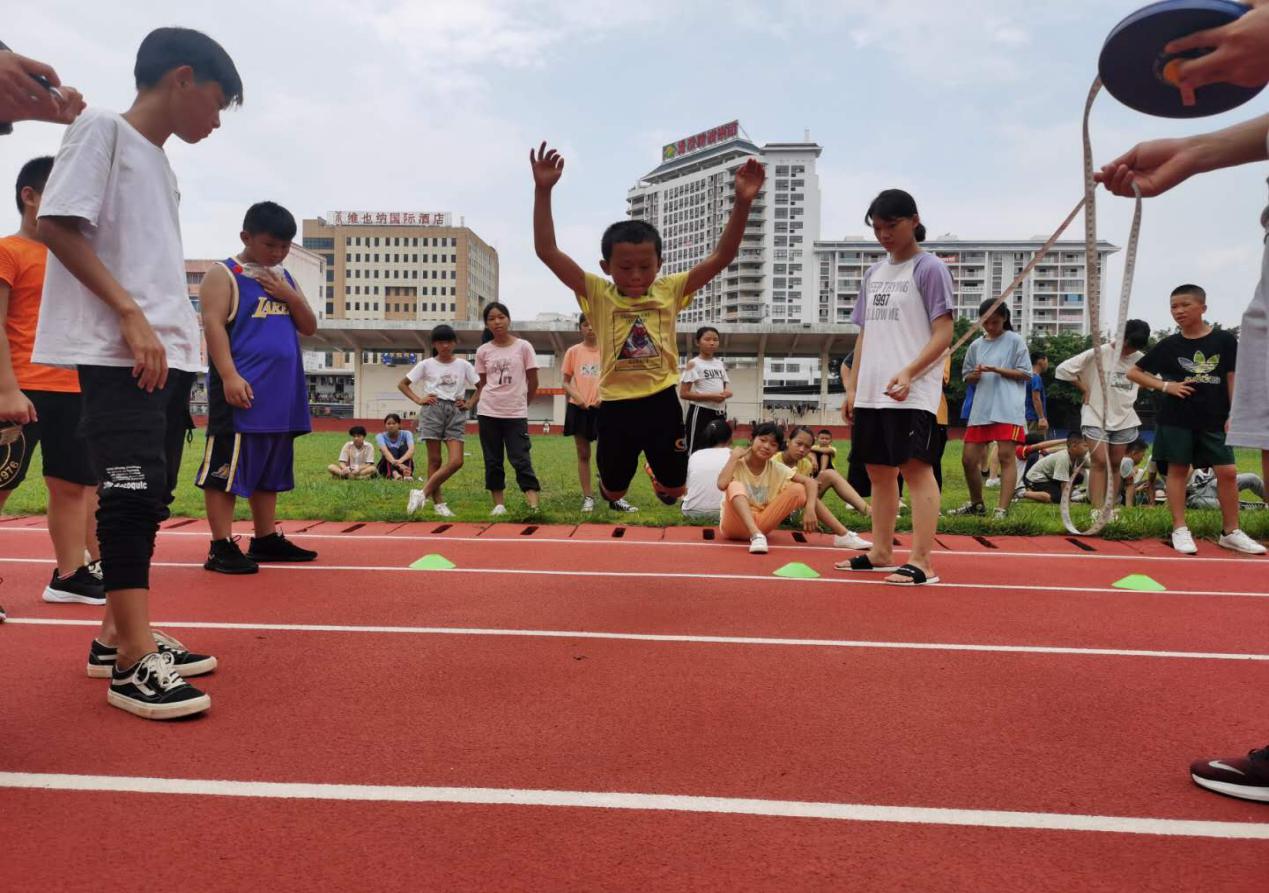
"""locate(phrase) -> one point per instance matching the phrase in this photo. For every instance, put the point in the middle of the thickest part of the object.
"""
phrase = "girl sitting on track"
(704, 387)
(759, 492)
(797, 455)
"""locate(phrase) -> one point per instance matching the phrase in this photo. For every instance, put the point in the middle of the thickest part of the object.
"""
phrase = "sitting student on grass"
(703, 501)
(396, 450)
(760, 492)
(1131, 473)
(797, 455)
(1043, 482)
(356, 457)
(1201, 490)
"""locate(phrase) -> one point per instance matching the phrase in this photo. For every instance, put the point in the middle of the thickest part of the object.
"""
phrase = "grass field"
(318, 496)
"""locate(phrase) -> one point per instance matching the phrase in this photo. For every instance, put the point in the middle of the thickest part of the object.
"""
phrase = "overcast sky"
(972, 106)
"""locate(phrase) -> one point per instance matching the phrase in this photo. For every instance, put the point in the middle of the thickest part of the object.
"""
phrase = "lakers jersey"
(265, 347)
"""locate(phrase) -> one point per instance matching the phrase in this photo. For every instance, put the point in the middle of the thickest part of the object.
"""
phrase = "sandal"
(915, 576)
(863, 563)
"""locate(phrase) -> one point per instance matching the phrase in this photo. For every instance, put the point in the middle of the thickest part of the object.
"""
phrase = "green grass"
(317, 496)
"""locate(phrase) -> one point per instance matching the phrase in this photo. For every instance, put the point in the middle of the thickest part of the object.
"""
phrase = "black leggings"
(513, 436)
(135, 441)
(698, 419)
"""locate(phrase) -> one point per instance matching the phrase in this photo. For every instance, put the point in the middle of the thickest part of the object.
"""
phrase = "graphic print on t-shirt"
(588, 370)
(879, 307)
(638, 344)
(1201, 368)
(501, 369)
(636, 332)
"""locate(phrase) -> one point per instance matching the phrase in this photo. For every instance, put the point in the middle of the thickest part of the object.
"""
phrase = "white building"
(689, 198)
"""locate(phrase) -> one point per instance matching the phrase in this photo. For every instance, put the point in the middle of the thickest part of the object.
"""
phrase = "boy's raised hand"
(749, 178)
(548, 166)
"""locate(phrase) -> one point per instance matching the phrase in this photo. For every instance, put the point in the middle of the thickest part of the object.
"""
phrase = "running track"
(574, 709)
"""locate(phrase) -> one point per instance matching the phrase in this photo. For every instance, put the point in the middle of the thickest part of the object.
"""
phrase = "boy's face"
(31, 201)
(824, 439)
(264, 249)
(633, 267)
(195, 107)
(359, 440)
(1136, 456)
(1042, 365)
(588, 333)
(444, 350)
(1078, 450)
(1187, 310)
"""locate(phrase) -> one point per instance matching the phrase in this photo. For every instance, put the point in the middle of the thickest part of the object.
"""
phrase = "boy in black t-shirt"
(1194, 370)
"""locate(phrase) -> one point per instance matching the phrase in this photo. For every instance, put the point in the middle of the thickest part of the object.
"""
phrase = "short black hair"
(166, 48)
(700, 333)
(581, 318)
(827, 431)
(894, 204)
(34, 174)
(1073, 438)
(1138, 446)
(392, 417)
(269, 219)
(356, 430)
(1190, 288)
(768, 429)
(443, 332)
(636, 232)
(1038, 356)
(717, 433)
(1137, 334)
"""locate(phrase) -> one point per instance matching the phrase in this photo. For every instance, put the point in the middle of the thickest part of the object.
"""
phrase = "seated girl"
(759, 492)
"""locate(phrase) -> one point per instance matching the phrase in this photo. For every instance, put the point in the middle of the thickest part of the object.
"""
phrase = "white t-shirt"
(1053, 467)
(445, 381)
(707, 377)
(1123, 393)
(703, 468)
(896, 307)
(121, 185)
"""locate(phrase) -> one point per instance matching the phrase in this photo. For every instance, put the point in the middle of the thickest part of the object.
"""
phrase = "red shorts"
(994, 432)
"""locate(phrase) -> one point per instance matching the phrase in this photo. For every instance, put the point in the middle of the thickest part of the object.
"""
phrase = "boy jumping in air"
(635, 317)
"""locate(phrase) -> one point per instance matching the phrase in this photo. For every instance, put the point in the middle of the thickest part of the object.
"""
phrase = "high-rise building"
(689, 198)
(1052, 299)
(402, 266)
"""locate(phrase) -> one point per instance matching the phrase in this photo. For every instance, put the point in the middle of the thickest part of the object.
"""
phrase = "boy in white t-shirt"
(117, 309)
(356, 457)
(446, 381)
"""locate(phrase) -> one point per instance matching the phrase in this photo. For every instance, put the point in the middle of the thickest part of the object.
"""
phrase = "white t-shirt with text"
(707, 377)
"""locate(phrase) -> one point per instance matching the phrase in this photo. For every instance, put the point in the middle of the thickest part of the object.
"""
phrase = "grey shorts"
(442, 420)
(1122, 436)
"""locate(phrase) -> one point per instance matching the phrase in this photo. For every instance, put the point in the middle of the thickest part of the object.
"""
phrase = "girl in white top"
(904, 313)
(705, 387)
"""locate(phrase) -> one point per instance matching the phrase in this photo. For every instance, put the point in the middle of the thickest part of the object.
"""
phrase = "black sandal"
(915, 576)
(863, 563)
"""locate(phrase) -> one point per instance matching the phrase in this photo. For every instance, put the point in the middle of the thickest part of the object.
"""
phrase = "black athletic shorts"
(57, 431)
(581, 422)
(1053, 488)
(651, 425)
(893, 437)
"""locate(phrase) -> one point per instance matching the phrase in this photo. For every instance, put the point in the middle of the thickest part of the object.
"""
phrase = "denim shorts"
(1123, 435)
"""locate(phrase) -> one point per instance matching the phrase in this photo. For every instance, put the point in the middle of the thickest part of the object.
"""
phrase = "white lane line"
(798, 809)
(707, 544)
(662, 637)
(857, 579)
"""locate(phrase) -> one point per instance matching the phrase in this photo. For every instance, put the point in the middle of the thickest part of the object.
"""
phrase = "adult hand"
(1154, 166)
(548, 166)
(15, 406)
(1239, 52)
(149, 357)
(238, 392)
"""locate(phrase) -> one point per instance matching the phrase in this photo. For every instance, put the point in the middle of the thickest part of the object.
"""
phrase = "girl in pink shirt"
(508, 371)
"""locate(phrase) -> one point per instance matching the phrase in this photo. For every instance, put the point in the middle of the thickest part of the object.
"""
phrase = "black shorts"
(581, 422)
(1053, 488)
(651, 425)
(65, 451)
(893, 437)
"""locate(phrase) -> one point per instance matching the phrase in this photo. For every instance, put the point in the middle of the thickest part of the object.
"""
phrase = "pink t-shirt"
(506, 391)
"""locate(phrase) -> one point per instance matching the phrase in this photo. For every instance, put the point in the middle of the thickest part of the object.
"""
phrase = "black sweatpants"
(513, 436)
(698, 419)
(135, 441)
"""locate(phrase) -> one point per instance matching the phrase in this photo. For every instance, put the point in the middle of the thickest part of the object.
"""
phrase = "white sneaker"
(1183, 541)
(588, 504)
(1000, 514)
(851, 540)
(442, 509)
(498, 510)
(757, 544)
(416, 502)
(1241, 542)
(992, 483)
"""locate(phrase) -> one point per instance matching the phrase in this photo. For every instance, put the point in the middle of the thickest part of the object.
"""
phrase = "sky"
(973, 107)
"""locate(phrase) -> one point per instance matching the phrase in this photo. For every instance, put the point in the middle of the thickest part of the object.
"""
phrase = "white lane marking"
(708, 544)
(850, 812)
(858, 579)
(662, 637)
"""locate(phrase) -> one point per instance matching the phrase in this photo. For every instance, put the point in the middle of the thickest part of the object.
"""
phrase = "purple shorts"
(243, 464)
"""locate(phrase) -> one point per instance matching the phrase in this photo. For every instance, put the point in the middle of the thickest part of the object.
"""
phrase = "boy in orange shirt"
(44, 404)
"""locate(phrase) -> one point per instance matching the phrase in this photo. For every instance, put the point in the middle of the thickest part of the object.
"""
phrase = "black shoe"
(152, 689)
(80, 588)
(276, 547)
(101, 658)
(226, 558)
(2, 614)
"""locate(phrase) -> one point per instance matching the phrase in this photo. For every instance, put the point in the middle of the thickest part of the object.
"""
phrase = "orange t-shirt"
(583, 364)
(22, 269)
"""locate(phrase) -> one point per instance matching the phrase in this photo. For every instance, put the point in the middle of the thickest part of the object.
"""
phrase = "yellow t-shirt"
(805, 466)
(763, 487)
(638, 348)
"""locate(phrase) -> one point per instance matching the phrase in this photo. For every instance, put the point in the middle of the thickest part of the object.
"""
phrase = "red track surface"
(1055, 733)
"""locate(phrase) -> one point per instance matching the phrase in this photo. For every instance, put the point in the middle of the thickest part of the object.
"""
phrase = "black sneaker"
(2, 614)
(276, 547)
(152, 689)
(101, 658)
(225, 557)
(969, 508)
(80, 588)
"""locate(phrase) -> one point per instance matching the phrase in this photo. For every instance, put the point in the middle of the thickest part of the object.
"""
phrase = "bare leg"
(531, 497)
(830, 478)
(923, 494)
(1097, 476)
(1177, 476)
(264, 512)
(971, 461)
(885, 509)
(90, 525)
(829, 520)
(443, 473)
(498, 496)
(1008, 472)
(220, 513)
(583, 463)
(1227, 493)
(433, 490)
(67, 504)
